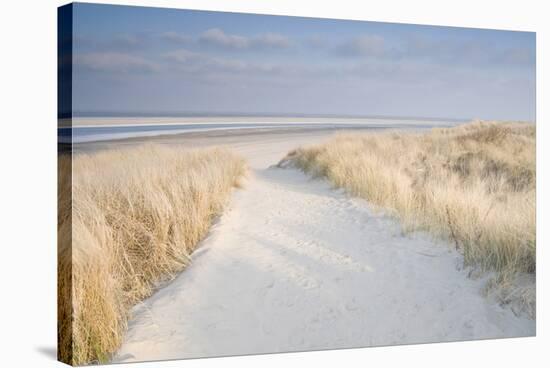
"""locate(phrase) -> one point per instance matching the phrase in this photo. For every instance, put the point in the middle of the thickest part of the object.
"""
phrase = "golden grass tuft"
(137, 215)
(473, 184)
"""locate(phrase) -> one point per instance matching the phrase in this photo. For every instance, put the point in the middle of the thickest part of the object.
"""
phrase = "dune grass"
(135, 217)
(473, 184)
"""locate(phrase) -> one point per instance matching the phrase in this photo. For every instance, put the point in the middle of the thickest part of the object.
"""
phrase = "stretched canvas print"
(237, 184)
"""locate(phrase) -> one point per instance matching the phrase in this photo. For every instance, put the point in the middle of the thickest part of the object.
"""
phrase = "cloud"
(317, 42)
(122, 42)
(365, 45)
(518, 56)
(176, 37)
(113, 62)
(201, 64)
(271, 40)
(182, 56)
(217, 37)
(127, 40)
(430, 51)
(193, 62)
(466, 52)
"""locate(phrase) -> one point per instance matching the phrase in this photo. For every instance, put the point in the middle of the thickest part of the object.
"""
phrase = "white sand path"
(294, 265)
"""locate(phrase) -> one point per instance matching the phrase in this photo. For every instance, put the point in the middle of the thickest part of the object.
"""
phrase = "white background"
(28, 178)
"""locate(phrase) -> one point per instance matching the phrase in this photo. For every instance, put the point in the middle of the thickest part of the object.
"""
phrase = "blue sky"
(147, 60)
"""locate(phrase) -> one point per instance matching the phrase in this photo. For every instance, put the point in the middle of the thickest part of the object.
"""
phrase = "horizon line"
(191, 114)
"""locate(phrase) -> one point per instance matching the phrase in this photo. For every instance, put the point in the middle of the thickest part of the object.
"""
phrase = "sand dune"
(294, 265)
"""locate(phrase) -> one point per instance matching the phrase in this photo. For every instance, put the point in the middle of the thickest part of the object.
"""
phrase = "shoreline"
(205, 138)
(103, 139)
(125, 121)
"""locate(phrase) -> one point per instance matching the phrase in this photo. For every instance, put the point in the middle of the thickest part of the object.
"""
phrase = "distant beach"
(95, 129)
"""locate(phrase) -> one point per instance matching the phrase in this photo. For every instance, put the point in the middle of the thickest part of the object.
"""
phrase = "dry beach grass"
(473, 184)
(137, 214)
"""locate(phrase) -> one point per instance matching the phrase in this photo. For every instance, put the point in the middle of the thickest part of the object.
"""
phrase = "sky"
(152, 60)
